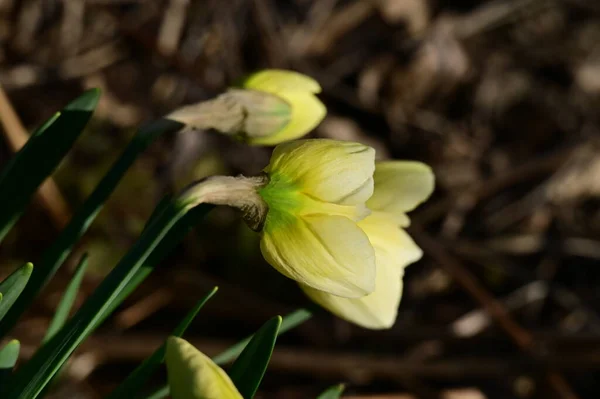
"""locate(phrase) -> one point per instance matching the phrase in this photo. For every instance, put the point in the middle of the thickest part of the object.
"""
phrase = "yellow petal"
(329, 253)
(374, 311)
(394, 250)
(389, 240)
(329, 170)
(278, 80)
(307, 111)
(192, 375)
(400, 186)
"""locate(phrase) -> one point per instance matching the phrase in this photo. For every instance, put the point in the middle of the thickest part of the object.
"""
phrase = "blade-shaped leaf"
(249, 368)
(290, 321)
(12, 287)
(38, 158)
(179, 230)
(134, 382)
(66, 303)
(54, 256)
(334, 392)
(8, 358)
(31, 379)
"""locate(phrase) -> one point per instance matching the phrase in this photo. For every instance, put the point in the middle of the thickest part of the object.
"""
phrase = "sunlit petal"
(329, 253)
(329, 170)
(278, 80)
(389, 240)
(400, 186)
(377, 310)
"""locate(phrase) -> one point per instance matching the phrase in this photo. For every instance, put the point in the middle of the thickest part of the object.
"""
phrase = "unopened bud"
(270, 107)
(242, 113)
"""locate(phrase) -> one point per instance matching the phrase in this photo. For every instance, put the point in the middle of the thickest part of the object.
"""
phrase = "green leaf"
(31, 379)
(134, 382)
(12, 287)
(249, 368)
(290, 321)
(335, 392)
(66, 303)
(38, 158)
(179, 230)
(8, 358)
(54, 256)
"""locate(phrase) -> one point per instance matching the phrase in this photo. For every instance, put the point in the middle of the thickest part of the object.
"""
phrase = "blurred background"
(501, 98)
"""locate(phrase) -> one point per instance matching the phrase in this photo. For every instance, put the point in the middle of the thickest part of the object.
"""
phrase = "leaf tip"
(27, 268)
(86, 102)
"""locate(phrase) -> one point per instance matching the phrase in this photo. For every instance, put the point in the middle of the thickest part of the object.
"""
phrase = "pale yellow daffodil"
(298, 91)
(316, 194)
(399, 188)
(193, 375)
(306, 206)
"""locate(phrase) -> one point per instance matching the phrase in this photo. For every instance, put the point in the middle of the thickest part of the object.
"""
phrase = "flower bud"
(269, 107)
(193, 375)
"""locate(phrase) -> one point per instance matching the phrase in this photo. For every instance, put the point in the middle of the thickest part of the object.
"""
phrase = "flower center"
(284, 199)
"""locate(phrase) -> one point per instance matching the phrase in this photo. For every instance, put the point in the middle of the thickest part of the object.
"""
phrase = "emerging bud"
(270, 107)
(193, 375)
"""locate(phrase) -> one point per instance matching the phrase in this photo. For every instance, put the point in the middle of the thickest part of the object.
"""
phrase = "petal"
(329, 253)
(400, 186)
(192, 375)
(278, 80)
(307, 111)
(329, 170)
(389, 240)
(375, 311)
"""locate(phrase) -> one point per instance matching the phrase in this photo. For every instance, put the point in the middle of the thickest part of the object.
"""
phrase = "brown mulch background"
(501, 98)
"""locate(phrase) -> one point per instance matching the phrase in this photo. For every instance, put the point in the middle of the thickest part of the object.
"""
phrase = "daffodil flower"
(316, 194)
(306, 207)
(268, 107)
(193, 375)
(399, 188)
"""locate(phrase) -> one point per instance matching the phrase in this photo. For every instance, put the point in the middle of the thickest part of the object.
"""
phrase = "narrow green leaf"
(31, 379)
(8, 358)
(54, 256)
(290, 321)
(12, 287)
(335, 392)
(249, 368)
(66, 303)
(179, 230)
(187, 320)
(38, 158)
(135, 381)
(160, 393)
